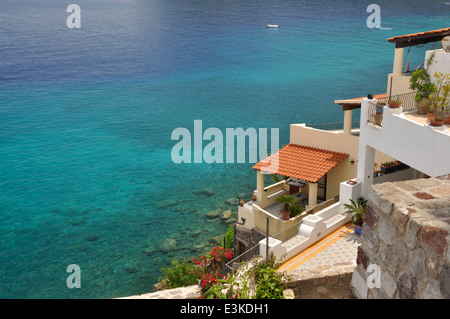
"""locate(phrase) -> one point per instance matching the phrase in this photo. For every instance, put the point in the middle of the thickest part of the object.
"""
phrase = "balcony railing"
(375, 113)
(287, 233)
(332, 126)
(375, 109)
(407, 99)
(243, 258)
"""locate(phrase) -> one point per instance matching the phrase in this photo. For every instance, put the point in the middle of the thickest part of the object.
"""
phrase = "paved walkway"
(338, 247)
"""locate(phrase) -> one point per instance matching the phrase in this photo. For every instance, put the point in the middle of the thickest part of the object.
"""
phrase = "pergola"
(304, 163)
(412, 39)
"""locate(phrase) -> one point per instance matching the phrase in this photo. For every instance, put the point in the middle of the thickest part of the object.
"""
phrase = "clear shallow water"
(86, 117)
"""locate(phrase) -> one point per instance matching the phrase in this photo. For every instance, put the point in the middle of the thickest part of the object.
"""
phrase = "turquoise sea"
(86, 117)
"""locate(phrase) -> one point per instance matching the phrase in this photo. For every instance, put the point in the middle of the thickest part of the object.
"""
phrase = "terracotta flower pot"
(394, 105)
(423, 105)
(447, 119)
(285, 215)
(435, 120)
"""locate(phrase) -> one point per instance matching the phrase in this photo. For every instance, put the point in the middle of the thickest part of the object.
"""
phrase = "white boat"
(272, 25)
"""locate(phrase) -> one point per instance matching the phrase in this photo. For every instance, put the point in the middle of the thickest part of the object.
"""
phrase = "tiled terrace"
(338, 247)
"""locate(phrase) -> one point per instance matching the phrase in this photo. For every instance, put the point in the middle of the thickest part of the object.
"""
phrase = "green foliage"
(388, 164)
(270, 284)
(296, 209)
(286, 200)
(420, 82)
(179, 274)
(441, 96)
(229, 238)
(357, 209)
(259, 280)
(206, 269)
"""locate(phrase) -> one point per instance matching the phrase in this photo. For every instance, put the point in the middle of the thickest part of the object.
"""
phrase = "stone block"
(388, 257)
(359, 285)
(362, 258)
(407, 286)
(318, 281)
(370, 239)
(388, 284)
(322, 290)
(435, 238)
(431, 291)
(332, 278)
(370, 217)
(412, 232)
(387, 231)
(417, 263)
(444, 279)
(432, 265)
(400, 217)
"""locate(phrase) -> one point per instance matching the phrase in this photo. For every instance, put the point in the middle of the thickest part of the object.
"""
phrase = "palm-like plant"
(296, 209)
(286, 200)
(357, 209)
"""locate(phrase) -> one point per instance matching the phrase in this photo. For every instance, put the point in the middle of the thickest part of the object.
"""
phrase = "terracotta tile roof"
(301, 162)
(419, 34)
(419, 38)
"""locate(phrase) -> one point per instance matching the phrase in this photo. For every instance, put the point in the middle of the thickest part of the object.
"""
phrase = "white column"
(398, 61)
(366, 162)
(348, 121)
(366, 154)
(259, 185)
(312, 194)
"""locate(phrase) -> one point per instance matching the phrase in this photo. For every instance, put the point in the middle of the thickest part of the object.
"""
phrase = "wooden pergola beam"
(419, 38)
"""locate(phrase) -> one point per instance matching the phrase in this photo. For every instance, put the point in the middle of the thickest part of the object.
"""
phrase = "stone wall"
(325, 282)
(189, 292)
(404, 242)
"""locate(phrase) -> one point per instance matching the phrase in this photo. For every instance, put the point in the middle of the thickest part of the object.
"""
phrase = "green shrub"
(229, 238)
(179, 274)
(270, 284)
(296, 209)
(260, 281)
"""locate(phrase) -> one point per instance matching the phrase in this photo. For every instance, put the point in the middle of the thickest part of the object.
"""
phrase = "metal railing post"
(267, 239)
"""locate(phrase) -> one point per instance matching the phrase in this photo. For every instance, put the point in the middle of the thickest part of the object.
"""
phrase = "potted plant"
(420, 82)
(394, 104)
(287, 200)
(296, 209)
(388, 167)
(440, 99)
(379, 118)
(357, 210)
(399, 165)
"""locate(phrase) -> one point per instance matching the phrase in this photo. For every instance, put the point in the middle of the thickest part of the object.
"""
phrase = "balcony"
(405, 135)
(335, 127)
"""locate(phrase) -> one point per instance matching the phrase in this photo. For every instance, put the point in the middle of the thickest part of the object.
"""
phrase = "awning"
(301, 162)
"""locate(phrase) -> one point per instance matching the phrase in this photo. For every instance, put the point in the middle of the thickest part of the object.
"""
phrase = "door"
(322, 188)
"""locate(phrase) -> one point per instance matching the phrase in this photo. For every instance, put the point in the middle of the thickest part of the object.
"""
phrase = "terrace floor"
(340, 246)
(421, 119)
